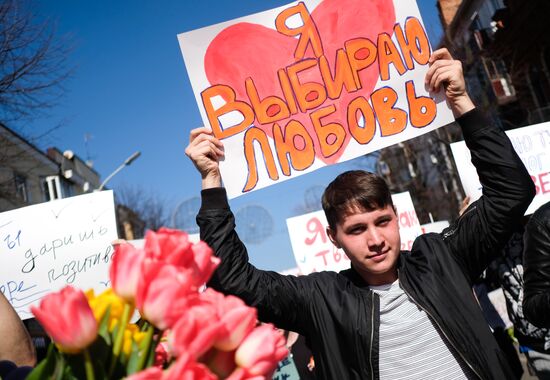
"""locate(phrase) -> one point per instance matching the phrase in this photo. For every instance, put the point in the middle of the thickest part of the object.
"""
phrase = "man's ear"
(332, 236)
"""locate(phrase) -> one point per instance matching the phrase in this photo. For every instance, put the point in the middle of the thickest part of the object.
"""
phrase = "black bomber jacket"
(536, 261)
(338, 313)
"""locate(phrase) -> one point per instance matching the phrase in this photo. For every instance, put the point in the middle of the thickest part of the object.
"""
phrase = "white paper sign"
(532, 144)
(311, 84)
(313, 250)
(49, 245)
(140, 243)
(436, 227)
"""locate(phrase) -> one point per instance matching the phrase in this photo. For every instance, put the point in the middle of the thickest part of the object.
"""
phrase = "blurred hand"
(205, 151)
(447, 72)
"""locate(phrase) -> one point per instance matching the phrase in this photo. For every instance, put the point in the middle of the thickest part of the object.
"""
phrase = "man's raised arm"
(279, 299)
(486, 225)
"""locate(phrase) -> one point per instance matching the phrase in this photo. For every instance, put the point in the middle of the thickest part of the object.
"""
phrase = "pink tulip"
(161, 355)
(173, 247)
(241, 374)
(187, 369)
(237, 320)
(68, 319)
(170, 246)
(261, 350)
(221, 363)
(204, 262)
(163, 293)
(126, 271)
(196, 330)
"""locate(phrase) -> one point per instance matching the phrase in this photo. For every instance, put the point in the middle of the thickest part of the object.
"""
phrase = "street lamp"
(128, 161)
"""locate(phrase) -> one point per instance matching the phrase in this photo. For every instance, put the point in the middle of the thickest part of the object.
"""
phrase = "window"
(51, 188)
(21, 187)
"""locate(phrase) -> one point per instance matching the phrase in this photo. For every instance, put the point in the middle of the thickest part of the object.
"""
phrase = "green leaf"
(133, 360)
(103, 329)
(46, 367)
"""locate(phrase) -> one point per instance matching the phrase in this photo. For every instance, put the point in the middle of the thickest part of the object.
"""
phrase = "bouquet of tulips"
(183, 333)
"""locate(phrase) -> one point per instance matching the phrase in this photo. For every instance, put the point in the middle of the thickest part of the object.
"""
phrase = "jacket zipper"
(442, 331)
(449, 233)
(371, 335)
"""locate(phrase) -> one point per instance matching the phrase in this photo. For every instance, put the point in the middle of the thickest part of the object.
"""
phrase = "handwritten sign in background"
(436, 227)
(314, 251)
(310, 84)
(47, 246)
(532, 144)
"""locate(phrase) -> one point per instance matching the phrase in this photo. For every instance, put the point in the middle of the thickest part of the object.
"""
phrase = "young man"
(394, 314)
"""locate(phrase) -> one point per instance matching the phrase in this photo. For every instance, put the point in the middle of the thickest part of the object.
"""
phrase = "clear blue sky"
(130, 91)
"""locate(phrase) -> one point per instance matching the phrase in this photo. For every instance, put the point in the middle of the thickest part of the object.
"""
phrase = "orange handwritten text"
(322, 102)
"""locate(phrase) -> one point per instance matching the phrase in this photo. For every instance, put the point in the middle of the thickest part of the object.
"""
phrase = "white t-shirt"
(411, 345)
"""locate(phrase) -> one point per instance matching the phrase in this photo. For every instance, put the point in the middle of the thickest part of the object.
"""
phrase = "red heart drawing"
(250, 50)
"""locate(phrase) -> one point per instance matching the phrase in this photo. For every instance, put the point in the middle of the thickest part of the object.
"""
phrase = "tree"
(148, 206)
(32, 63)
(32, 69)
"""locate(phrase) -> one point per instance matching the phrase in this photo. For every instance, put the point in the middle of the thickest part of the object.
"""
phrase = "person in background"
(508, 272)
(536, 256)
(394, 314)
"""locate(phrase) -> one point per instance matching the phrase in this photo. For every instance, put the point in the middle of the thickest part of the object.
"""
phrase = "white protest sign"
(310, 84)
(436, 227)
(49, 245)
(313, 250)
(140, 243)
(532, 144)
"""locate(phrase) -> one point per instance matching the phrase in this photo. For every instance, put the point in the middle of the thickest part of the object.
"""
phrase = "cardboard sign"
(314, 251)
(49, 245)
(532, 144)
(311, 84)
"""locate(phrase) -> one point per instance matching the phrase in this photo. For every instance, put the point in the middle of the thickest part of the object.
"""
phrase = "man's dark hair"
(354, 190)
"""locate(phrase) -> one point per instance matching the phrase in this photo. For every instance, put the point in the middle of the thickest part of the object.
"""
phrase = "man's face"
(371, 241)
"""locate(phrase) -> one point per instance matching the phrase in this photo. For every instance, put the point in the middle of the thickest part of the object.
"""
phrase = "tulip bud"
(174, 248)
(169, 246)
(187, 369)
(68, 319)
(261, 350)
(237, 321)
(163, 293)
(125, 271)
(195, 332)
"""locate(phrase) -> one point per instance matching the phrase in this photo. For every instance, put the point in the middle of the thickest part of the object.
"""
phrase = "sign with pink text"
(313, 250)
(310, 84)
(532, 144)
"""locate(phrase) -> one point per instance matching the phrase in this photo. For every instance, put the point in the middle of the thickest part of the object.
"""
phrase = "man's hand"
(206, 151)
(446, 71)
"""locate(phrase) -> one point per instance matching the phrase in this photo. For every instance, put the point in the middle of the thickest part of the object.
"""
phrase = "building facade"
(505, 52)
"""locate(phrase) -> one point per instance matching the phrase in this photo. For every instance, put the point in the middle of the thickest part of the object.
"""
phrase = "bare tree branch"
(32, 63)
(150, 208)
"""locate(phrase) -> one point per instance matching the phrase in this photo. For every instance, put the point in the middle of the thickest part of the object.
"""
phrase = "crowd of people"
(393, 314)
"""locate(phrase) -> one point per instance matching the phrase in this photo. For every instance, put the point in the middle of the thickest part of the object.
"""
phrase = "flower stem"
(146, 344)
(88, 365)
(120, 336)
